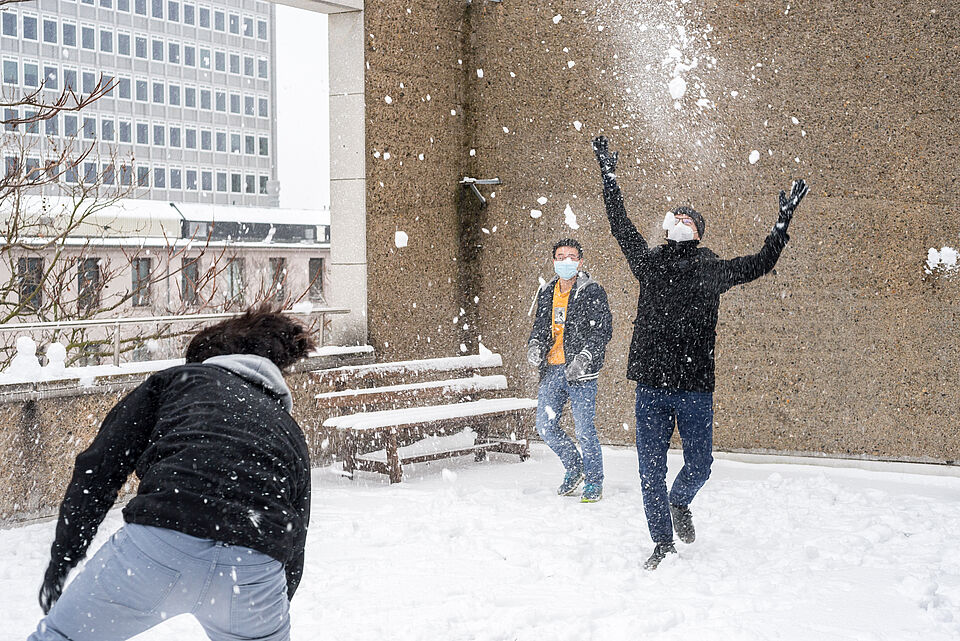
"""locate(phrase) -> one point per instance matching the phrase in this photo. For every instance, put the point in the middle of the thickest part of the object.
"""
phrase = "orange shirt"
(555, 355)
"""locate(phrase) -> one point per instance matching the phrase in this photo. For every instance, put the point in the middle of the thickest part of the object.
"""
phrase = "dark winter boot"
(659, 554)
(683, 523)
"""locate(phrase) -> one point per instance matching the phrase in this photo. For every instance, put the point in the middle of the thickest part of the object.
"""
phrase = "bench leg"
(482, 430)
(521, 435)
(393, 458)
(348, 452)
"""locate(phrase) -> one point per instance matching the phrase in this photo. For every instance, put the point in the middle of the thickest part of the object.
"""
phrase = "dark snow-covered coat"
(218, 457)
(587, 328)
(675, 330)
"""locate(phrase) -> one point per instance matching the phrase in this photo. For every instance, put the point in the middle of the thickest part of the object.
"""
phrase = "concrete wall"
(849, 348)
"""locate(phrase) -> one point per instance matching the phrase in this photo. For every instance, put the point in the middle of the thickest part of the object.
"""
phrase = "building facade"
(191, 111)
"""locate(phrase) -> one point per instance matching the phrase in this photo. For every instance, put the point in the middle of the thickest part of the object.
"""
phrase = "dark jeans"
(657, 411)
(553, 395)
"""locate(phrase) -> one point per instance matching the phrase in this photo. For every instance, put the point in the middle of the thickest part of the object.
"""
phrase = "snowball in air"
(542, 200)
(570, 218)
(535, 213)
(400, 239)
(577, 125)
(678, 87)
(557, 18)
(754, 157)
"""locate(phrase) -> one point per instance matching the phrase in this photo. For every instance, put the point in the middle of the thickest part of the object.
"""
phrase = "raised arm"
(631, 242)
(737, 271)
(99, 473)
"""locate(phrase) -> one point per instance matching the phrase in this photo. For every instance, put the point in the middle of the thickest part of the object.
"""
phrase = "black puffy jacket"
(587, 328)
(218, 457)
(675, 331)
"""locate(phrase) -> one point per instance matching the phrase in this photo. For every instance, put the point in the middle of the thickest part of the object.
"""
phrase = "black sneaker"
(659, 554)
(683, 523)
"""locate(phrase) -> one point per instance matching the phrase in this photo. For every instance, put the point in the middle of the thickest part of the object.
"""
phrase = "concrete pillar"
(348, 188)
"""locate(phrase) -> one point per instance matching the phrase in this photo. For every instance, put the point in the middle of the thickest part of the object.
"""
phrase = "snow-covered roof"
(142, 217)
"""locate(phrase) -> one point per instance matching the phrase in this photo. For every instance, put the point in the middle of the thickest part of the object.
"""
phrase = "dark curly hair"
(567, 242)
(263, 331)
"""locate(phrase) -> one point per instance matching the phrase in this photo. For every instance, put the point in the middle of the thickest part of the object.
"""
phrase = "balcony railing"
(117, 323)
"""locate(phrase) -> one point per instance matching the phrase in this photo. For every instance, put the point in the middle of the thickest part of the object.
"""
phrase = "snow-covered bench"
(407, 412)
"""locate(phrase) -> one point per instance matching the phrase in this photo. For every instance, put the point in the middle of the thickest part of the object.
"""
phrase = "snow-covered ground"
(488, 551)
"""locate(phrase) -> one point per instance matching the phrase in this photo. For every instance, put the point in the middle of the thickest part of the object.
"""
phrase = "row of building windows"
(107, 40)
(141, 133)
(233, 278)
(156, 92)
(30, 26)
(157, 176)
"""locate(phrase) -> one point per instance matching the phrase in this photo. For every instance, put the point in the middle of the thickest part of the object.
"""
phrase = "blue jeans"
(553, 395)
(144, 575)
(657, 410)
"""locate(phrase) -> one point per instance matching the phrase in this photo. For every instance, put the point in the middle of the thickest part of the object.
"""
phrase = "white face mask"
(676, 230)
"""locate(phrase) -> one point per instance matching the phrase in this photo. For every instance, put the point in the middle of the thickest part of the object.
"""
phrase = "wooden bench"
(393, 406)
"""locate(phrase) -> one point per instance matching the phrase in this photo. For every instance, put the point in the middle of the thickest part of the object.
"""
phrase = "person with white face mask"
(672, 352)
(568, 342)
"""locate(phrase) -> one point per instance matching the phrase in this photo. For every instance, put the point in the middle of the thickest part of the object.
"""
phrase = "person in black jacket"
(218, 525)
(568, 342)
(672, 351)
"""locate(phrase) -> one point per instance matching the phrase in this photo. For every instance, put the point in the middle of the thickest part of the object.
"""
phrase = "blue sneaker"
(570, 483)
(592, 492)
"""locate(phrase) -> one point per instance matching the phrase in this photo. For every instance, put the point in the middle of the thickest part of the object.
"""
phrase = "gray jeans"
(144, 575)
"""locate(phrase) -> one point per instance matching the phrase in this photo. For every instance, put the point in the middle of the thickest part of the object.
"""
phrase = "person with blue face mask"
(671, 354)
(567, 345)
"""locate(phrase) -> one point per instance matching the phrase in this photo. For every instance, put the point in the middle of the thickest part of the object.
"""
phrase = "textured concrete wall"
(848, 348)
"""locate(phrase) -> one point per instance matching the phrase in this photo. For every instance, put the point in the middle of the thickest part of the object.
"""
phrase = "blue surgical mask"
(566, 269)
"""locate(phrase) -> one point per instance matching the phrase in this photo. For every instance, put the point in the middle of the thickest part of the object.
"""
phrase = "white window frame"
(30, 14)
(163, 49)
(146, 48)
(136, 132)
(132, 88)
(76, 33)
(23, 72)
(43, 29)
(170, 129)
(113, 40)
(124, 32)
(80, 36)
(209, 9)
(153, 133)
(132, 132)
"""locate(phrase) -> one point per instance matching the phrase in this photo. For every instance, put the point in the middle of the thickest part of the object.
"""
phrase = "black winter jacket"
(675, 331)
(587, 328)
(218, 457)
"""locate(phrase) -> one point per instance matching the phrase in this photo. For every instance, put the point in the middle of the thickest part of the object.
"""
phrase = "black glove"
(607, 161)
(577, 367)
(788, 205)
(533, 355)
(52, 588)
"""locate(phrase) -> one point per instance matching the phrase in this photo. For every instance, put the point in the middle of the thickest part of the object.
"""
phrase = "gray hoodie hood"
(257, 370)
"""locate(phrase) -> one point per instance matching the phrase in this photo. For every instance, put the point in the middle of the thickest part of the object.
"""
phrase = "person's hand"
(52, 588)
(789, 204)
(533, 355)
(607, 161)
(577, 367)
